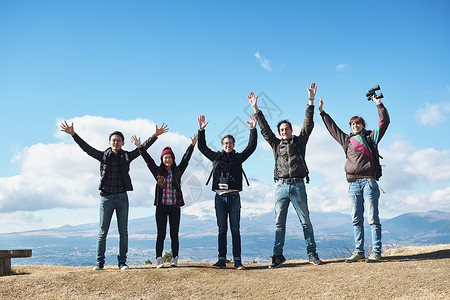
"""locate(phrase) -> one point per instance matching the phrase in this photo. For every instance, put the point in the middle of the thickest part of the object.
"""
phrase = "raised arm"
(252, 140)
(147, 158)
(332, 128)
(187, 155)
(98, 155)
(204, 149)
(383, 122)
(308, 122)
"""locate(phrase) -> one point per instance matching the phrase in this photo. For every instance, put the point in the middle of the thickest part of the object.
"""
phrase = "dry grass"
(406, 273)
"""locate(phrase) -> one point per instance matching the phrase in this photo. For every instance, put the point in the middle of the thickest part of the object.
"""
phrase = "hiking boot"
(374, 257)
(314, 259)
(174, 261)
(356, 256)
(277, 260)
(123, 266)
(238, 265)
(98, 267)
(220, 264)
(159, 262)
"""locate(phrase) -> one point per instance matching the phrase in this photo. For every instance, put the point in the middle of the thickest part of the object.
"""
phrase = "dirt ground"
(405, 273)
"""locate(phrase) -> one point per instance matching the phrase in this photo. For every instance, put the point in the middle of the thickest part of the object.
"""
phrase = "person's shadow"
(439, 254)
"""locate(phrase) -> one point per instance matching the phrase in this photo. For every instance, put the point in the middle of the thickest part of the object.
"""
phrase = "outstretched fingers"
(135, 140)
(201, 122)
(66, 128)
(161, 130)
(194, 140)
(252, 122)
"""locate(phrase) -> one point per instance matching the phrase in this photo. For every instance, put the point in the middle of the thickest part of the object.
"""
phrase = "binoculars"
(372, 91)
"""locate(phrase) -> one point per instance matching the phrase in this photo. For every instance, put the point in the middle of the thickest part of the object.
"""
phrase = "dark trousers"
(229, 207)
(173, 212)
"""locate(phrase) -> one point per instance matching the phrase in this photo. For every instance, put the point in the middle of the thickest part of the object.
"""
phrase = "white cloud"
(433, 114)
(342, 67)
(264, 62)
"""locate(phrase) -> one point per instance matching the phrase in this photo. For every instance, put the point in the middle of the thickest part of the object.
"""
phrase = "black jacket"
(227, 164)
(177, 172)
(289, 154)
(126, 158)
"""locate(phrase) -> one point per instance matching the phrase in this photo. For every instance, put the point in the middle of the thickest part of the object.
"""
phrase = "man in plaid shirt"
(115, 181)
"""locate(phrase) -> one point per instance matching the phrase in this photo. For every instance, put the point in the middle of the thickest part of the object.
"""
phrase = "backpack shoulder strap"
(212, 171)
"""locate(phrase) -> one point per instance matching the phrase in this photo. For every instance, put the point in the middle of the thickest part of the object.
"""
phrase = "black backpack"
(376, 156)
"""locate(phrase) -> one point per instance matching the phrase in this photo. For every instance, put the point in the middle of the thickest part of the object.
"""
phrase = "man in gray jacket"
(289, 174)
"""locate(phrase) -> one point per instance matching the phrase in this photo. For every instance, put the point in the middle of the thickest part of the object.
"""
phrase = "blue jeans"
(294, 193)
(118, 202)
(229, 207)
(359, 191)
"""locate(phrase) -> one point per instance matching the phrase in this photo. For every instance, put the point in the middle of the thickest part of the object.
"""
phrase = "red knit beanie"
(168, 150)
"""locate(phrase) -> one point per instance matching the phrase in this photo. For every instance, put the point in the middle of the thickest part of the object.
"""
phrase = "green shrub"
(167, 257)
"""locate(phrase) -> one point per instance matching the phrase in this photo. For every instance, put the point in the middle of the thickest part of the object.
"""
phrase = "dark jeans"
(173, 212)
(229, 207)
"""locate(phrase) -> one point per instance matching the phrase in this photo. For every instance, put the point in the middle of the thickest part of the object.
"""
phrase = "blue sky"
(115, 65)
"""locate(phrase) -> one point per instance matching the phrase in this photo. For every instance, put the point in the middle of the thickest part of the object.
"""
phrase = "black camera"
(372, 91)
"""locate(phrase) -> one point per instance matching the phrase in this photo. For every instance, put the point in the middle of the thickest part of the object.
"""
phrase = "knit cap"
(168, 150)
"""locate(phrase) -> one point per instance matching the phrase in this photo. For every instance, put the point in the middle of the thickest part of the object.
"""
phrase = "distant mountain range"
(76, 245)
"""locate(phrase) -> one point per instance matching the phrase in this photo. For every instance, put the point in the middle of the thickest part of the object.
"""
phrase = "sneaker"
(356, 256)
(374, 257)
(123, 266)
(174, 261)
(98, 267)
(238, 265)
(314, 259)
(159, 262)
(220, 264)
(277, 260)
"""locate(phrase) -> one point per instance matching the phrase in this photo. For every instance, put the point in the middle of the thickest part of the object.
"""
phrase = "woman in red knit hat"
(168, 195)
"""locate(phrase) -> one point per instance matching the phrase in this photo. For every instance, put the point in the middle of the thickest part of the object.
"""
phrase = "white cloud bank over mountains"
(58, 183)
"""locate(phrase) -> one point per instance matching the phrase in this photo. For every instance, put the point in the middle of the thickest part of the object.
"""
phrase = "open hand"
(312, 91)
(252, 122)
(202, 123)
(194, 140)
(252, 99)
(321, 105)
(161, 130)
(67, 129)
(136, 141)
